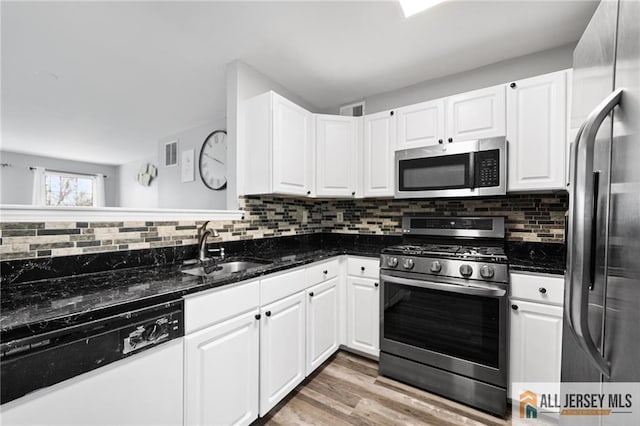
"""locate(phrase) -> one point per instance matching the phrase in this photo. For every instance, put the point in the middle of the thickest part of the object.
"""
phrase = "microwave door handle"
(581, 225)
(472, 170)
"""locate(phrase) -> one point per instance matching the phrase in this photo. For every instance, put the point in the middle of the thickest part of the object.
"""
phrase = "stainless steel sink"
(225, 268)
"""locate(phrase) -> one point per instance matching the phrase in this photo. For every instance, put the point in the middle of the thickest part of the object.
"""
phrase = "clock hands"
(213, 158)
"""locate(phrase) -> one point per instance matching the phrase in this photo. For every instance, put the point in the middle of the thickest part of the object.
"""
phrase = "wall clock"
(213, 158)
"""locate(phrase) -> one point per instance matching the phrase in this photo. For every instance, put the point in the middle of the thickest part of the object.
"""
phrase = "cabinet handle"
(440, 141)
(391, 113)
(311, 294)
(513, 85)
(268, 313)
(362, 268)
(258, 316)
(325, 272)
(376, 284)
(514, 307)
(450, 140)
(542, 290)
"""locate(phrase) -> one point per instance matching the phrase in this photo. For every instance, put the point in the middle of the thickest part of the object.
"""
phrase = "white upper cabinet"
(475, 115)
(379, 146)
(537, 131)
(421, 124)
(278, 146)
(336, 155)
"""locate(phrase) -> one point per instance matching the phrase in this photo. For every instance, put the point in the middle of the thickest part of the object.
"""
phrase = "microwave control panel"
(488, 168)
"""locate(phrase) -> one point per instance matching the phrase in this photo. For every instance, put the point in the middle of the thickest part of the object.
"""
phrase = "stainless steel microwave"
(459, 169)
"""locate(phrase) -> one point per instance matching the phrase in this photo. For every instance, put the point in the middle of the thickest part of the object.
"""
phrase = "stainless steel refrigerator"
(601, 341)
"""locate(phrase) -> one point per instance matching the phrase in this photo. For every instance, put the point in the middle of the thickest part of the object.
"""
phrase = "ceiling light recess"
(411, 7)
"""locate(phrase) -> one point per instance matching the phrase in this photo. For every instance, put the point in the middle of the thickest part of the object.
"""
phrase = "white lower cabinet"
(221, 374)
(536, 330)
(363, 315)
(322, 322)
(282, 349)
(144, 389)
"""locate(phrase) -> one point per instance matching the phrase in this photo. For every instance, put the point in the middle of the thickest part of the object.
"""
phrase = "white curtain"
(38, 194)
(98, 193)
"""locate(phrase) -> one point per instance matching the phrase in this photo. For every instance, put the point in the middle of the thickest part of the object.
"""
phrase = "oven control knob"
(435, 267)
(407, 263)
(486, 271)
(392, 262)
(466, 270)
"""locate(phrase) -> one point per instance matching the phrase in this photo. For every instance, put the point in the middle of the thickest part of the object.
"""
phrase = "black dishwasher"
(43, 359)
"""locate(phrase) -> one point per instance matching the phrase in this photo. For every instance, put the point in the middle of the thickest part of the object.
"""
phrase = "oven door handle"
(476, 290)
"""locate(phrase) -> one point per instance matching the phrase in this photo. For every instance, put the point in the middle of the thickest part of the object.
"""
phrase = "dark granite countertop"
(547, 258)
(48, 294)
(48, 304)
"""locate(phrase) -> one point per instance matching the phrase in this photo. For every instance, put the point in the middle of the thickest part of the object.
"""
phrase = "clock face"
(213, 158)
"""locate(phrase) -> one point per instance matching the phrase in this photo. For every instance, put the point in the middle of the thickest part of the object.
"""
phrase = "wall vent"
(353, 110)
(171, 153)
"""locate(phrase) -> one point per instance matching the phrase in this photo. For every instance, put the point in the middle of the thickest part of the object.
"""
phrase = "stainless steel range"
(444, 309)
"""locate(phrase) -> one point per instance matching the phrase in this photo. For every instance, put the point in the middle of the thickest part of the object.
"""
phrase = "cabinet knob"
(325, 272)
(268, 313)
(440, 141)
(513, 85)
(362, 268)
(450, 140)
(308, 192)
(258, 316)
(311, 294)
(514, 307)
(391, 113)
(376, 284)
(542, 290)
(353, 193)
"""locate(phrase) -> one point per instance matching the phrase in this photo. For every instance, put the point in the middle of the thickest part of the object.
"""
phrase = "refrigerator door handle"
(581, 223)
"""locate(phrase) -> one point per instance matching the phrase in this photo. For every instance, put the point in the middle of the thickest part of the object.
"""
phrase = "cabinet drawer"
(363, 267)
(538, 288)
(283, 285)
(220, 304)
(322, 271)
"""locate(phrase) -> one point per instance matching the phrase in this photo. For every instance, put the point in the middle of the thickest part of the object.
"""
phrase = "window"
(67, 189)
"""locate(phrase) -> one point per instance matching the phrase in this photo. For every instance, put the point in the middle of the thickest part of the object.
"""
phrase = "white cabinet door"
(477, 114)
(221, 373)
(379, 146)
(282, 349)
(144, 389)
(421, 124)
(536, 343)
(536, 131)
(292, 143)
(322, 322)
(336, 155)
(363, 310)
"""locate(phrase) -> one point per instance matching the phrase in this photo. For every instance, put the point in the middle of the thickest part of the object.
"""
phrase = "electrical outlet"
(305, 216)
(340, 217)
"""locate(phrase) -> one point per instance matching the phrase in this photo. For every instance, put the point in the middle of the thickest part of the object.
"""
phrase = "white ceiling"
(130, 73)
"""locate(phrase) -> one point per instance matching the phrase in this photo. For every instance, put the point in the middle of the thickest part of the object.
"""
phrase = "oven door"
(453, 325)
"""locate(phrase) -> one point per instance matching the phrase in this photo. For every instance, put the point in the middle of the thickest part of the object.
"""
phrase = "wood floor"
(348, 391)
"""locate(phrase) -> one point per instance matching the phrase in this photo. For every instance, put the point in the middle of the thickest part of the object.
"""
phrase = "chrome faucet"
(204, 235)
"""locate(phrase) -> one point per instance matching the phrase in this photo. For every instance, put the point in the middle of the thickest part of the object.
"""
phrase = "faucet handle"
(219, 251)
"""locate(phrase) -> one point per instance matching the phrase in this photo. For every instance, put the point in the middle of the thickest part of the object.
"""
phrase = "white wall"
(244, 82)
(16, 181)
(131, 193)
(497, 73)
(172, 192)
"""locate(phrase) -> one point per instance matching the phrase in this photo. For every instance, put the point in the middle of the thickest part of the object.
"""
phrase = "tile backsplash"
(530, 217)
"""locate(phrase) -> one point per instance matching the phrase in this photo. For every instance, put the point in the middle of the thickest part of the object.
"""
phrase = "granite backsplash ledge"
(529, 217)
